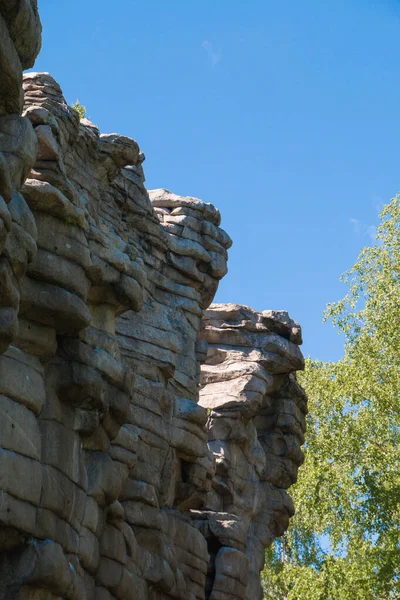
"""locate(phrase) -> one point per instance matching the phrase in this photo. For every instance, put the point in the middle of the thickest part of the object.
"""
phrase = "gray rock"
(25, 29)
(126, 471)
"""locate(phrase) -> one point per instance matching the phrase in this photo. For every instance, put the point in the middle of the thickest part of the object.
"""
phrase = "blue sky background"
(284, 114)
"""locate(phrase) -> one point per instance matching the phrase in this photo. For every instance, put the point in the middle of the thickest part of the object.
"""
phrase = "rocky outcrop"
(255, 428)
(20, 39)
(116, 482)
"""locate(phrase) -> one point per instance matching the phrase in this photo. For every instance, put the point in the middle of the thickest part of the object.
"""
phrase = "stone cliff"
(128, 470)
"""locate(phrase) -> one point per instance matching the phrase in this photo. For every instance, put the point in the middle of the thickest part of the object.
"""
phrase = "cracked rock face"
(128, 470)
(255, 430)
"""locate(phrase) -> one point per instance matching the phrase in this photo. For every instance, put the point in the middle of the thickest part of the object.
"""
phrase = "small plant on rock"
(80, 109)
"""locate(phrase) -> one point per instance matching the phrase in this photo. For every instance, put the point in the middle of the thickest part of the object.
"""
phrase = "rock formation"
(255, 429)
(116, 482)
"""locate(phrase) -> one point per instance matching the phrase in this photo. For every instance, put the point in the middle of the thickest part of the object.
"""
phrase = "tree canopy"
(344, 541)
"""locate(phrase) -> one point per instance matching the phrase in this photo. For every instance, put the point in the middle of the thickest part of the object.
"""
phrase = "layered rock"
(115, 482)
(255, 429)
(20, 39)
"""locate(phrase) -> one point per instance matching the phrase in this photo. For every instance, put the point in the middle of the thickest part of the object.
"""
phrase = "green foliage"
(80, 109)
(344, 541)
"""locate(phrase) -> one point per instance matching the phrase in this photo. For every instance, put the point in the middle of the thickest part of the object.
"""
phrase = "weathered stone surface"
(127, 470)
(11, 97)
(24, 27)
(20, 39)
(255, 429)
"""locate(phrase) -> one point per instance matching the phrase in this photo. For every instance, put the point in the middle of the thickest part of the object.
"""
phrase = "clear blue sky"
(284, 114)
